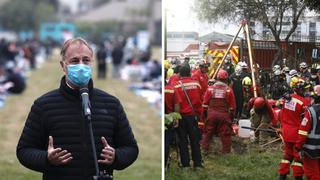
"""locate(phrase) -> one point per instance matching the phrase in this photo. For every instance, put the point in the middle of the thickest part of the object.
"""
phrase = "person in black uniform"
(278, 85)
(55, 139)
(237, 87)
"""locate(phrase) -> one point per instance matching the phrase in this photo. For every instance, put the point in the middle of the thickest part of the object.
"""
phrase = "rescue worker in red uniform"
(188, 130)
(172, 101)
(261, 116)
(291, 112)
(309, 138)
(175, 77)
(201, 75)
(219, 107)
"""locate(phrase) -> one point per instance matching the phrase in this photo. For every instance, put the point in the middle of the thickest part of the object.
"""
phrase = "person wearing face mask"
(304, 73)
(278, 85)
(55, 139)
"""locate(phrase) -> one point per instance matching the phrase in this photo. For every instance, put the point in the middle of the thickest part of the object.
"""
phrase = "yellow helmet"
(170, 72)
(299, 83)
(166, 64)
(246, 81)
(294, 81)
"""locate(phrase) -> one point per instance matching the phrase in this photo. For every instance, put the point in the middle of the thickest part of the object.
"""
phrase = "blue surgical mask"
(79, 74)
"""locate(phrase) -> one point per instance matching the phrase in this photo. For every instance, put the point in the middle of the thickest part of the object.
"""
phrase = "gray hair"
(67, 43)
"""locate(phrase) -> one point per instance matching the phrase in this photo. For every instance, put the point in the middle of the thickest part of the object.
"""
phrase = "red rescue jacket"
(220, 97)
(291, 117)
(203, 80)
(193, 90)
(171, 98)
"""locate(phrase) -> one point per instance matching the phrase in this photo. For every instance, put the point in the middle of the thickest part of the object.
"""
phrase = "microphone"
(84, 92)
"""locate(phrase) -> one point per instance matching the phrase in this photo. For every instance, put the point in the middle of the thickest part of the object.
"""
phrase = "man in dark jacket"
(56, 140)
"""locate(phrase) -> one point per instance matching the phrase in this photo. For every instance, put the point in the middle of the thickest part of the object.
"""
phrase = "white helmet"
(243, 65)
(277, 72)
(276, 67)
(293, 73)
(286, 69)
(237, 70)
(303, 65)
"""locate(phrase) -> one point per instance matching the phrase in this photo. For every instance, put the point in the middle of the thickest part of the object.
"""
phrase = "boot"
(282, 177)
(298, 178)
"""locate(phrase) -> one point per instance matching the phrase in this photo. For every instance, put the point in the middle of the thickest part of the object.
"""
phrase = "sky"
(181, 17)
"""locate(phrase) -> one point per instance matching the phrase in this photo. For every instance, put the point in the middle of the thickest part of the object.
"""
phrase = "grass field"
(253, 163)
(144, 120)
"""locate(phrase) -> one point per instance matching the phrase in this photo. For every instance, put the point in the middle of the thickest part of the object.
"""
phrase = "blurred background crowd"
(123, 34)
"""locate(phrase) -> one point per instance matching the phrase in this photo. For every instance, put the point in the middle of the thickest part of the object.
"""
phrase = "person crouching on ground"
(261, 116)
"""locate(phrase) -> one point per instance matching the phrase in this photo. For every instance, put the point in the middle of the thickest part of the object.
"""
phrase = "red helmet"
(259, 103)
(222, 75)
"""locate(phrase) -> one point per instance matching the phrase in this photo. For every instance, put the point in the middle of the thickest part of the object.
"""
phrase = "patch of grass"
(145, 122)
(254, 164)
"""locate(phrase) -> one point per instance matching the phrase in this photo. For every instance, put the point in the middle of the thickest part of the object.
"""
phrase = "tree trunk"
(279, 55)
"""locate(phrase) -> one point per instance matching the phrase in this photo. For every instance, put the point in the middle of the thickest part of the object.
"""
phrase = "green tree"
(96, 31)
(313, 4)
(43, 12)
(273, 13)
(20, 15)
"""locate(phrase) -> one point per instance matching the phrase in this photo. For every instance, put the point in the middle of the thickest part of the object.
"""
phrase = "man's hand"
(57, 156)
(108, 153)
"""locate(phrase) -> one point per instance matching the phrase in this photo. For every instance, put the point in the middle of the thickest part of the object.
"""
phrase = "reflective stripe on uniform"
(203, 105)
(285, 161)
(311, 147)
(297, 101)
(312, 134)
(168, 91)
(304, 133)
(188, 84)
(297, 164)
